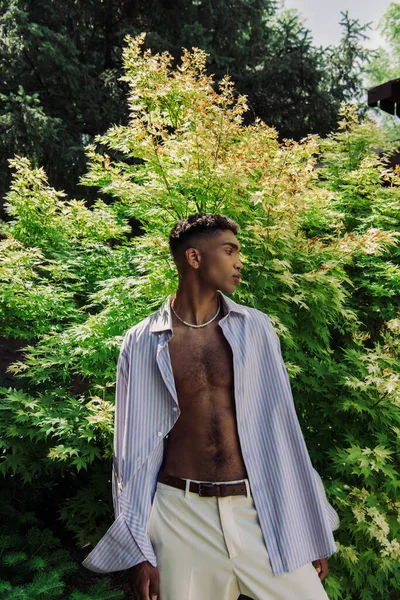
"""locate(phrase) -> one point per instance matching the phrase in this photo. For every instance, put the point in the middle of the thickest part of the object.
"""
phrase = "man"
(214, 491)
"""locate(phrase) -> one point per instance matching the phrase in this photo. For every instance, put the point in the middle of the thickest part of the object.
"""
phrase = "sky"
(322, 18)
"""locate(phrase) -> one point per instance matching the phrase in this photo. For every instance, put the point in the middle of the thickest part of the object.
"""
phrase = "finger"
(317, 566)
(324, 569)
(154, 587)
(144, 591)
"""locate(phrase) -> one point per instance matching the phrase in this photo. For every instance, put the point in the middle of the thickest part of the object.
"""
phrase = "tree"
(289, 83)
(59, 84)
(319, 231)
(61, 60)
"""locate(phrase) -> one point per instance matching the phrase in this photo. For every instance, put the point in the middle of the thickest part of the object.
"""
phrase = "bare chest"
(201, 360)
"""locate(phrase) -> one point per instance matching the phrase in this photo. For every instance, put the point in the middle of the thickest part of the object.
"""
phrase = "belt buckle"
(203, 486)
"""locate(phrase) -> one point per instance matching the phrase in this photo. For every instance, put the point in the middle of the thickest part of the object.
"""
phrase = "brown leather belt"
(205, 489)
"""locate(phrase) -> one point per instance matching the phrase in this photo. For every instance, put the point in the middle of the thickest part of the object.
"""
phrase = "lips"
(237, 277)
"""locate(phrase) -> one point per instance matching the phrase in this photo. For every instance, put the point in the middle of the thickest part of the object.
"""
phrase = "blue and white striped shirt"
(295, 516)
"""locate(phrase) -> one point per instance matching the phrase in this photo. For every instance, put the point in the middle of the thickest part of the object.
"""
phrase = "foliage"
(290, 83)
(61, 62)
(59, 84)
(386, 65)
(33, 566)
(319, 233)
(320, 79)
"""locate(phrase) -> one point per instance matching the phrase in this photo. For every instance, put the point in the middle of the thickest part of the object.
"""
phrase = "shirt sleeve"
(333, 517)
(117, 550)
(331, 512)
(121, 397)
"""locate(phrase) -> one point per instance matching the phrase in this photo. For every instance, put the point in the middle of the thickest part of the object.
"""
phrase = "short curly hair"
(206, 224)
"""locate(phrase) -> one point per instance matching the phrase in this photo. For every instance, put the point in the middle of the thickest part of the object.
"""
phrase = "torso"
(204, 443)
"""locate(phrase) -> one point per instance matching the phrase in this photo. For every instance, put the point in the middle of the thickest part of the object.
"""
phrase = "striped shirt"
(295, 516)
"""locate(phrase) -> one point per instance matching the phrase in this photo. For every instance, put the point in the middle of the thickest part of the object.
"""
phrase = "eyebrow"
(232, 244)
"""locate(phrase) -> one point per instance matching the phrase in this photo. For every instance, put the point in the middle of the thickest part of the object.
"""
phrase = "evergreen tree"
(60, 63)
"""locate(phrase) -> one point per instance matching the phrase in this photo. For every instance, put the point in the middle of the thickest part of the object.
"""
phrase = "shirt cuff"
(116, 551)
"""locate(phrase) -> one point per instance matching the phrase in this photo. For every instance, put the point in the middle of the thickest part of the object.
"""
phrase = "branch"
(380, 400)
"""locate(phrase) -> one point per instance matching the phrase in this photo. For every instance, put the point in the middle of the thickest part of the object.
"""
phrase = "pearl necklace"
(191, 324)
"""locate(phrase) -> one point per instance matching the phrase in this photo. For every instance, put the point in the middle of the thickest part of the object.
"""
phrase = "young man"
(214, 491)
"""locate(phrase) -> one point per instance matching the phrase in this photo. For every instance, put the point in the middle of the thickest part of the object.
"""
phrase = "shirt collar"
(162, 319)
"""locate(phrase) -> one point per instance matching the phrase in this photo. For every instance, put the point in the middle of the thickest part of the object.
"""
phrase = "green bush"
(33, 566)
(319, 232)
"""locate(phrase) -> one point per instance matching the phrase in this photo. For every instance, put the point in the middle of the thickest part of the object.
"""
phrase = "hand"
(321, 566)
(144, 580)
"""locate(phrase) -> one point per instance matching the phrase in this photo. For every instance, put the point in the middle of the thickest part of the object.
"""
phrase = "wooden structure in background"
(387, 97)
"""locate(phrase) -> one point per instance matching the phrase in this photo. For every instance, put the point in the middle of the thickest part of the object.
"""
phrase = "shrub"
(319, 234)
(33, 566)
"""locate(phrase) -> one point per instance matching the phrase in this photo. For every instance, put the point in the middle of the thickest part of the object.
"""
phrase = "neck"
(195, 306)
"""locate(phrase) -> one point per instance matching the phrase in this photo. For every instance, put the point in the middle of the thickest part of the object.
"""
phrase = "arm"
(143, 577)
(331, 512)
(121, 398)
(117, 550)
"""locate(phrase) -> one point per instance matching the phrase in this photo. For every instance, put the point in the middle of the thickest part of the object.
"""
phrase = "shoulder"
(137, 334)
(256, 319)
(262, 321)
(258, 316)
(253, 315)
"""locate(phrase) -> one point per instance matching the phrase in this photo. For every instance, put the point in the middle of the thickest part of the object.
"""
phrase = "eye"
(229, 250)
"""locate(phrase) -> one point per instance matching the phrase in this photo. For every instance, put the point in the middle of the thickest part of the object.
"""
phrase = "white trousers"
(213, 549)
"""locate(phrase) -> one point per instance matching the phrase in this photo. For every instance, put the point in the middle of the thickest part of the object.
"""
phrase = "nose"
(238, 264)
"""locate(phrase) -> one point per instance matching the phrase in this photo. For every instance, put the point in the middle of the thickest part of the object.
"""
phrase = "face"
(217, 262)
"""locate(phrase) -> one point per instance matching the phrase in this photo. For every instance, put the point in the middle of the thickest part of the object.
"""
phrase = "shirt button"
(159, 434)
(174, 409)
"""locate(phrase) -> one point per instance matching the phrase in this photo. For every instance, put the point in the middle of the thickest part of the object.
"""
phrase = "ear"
(193, 257)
